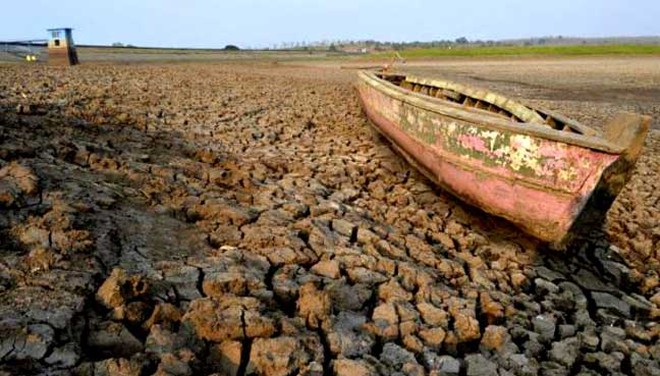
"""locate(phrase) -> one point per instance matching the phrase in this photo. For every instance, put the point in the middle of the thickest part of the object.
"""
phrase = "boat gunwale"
(458, 112)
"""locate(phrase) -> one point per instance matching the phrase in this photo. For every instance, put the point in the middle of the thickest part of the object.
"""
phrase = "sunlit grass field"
(569, 50)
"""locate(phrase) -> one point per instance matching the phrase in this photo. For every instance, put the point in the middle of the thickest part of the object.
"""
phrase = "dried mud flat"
(180, 219)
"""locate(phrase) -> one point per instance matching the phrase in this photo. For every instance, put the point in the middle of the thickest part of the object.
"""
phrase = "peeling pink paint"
(552, 150)
(474, 142)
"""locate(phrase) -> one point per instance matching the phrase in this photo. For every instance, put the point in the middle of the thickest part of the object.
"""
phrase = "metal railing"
(28, 50)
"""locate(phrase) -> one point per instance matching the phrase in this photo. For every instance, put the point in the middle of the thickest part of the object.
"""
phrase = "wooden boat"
(547, 174)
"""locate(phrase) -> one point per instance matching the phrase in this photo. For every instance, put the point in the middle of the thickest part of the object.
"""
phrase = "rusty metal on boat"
(547, 174)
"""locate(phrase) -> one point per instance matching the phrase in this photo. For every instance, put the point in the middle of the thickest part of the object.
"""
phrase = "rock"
(466, 328)
(164, 314)
(638, 332)
(55, 307)
(232, 318)
(582, 319)
(519, 281)
(118, 366)
(521, 365)
(347, 337)
(553, 369)
(407, 327)
(112, 339)
(432, 315)
(343, 227)
(279, 356)
(65, 356)
(589, 281)
(389, 250)
(42, 259)
(548, 274)
(533, 348)
(545, 326)
(226, 358)
(36, 238)
(646, 368)
(350, 367)
(386, 321)
(366, 236)
(413, 343)
(184, 278)
(176, 364)
(284, 283)
(441, 365)
(545, 287)
(607, 317)
(478, 365)
(160, 341)
(655, 299)
(430, 359)
(566, 351)
(313, 305)
(494, 338)
(490, 309)
(566, 330)
(576, 296)
(391, 291)
(238, 281)
(612, 339)
(396, 356)
(328, 268)
(364, 275)
(617, 271)
(433, 337)
(25, 343)
(118, 289)
(9, 194)
(612, 303)
(561, 301)
(16, 181)
(448, 366)
(348, 297)
(413, 369)
(133, 312)
(640, 304)
(589, 340)
(608, 362)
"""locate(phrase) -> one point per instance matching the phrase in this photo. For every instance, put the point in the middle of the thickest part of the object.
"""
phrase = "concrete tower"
(61, 49)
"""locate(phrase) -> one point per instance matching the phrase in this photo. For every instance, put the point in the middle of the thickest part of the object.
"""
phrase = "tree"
(462, 40)
(231, 47)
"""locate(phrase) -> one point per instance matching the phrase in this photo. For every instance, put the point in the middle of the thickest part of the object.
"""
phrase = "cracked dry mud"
(180, 219)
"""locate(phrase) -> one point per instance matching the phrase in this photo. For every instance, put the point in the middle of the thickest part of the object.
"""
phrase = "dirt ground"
(243, 218)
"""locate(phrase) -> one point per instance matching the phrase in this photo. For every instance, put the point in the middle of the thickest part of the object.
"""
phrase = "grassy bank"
(577, 50)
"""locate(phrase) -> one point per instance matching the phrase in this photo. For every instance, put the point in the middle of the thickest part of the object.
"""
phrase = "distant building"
(61, 49)
(355, 49)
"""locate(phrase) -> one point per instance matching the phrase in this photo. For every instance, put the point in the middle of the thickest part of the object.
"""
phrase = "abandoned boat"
(547, 174)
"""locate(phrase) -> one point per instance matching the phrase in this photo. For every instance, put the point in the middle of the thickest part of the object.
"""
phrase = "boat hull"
(539, 184)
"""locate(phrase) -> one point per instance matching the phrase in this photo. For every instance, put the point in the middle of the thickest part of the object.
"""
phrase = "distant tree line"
(373, 45)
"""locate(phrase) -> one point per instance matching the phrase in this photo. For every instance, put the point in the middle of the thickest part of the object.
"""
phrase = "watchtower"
(61, 49)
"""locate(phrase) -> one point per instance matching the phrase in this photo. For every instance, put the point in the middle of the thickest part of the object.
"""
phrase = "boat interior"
(484, 100)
